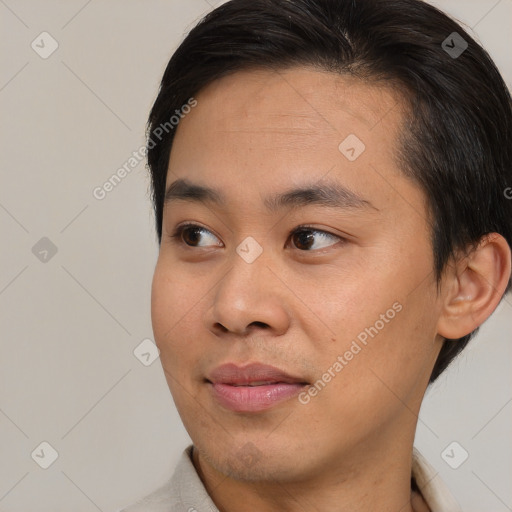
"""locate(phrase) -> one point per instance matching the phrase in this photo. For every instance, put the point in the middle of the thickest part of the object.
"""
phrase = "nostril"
(259, 324)
(221, 327)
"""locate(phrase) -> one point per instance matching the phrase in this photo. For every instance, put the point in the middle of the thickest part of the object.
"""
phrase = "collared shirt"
(185, 492)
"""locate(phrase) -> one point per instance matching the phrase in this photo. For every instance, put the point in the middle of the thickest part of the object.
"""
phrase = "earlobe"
(476, 285)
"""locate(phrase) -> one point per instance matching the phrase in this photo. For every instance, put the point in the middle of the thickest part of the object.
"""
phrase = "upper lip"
(230, 373)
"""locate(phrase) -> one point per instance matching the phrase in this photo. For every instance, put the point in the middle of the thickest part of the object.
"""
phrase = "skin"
(256, 133)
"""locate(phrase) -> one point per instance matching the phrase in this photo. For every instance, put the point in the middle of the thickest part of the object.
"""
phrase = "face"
(294, 306)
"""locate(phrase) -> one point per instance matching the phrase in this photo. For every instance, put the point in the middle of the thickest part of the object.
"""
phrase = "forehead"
(260, 129)
(295, 96)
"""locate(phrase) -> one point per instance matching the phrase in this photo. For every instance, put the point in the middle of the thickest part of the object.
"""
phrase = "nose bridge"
(245, 277)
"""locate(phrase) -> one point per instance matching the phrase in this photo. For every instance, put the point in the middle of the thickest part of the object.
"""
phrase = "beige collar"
(435, 496)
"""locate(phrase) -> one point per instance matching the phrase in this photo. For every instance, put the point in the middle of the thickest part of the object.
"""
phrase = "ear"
(474, 287)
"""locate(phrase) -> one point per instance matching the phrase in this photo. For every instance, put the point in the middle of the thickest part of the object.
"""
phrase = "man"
(334, 226)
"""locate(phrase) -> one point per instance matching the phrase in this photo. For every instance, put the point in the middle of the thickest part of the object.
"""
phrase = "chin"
(254, 461)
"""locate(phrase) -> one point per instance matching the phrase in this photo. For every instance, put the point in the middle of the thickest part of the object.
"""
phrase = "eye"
(190, 234)
(303, 237)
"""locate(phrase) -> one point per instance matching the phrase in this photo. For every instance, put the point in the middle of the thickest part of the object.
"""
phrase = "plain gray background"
(72, 320)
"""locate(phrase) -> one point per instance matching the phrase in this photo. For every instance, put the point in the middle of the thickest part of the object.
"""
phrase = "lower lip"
(254, 398)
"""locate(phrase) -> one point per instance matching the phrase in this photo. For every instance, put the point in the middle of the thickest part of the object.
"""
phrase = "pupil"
(305, 238)
(192, 239)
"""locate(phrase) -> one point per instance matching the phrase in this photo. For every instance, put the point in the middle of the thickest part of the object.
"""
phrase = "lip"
(253, 387)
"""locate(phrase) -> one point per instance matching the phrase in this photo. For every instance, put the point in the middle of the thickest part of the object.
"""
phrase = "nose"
(249, 298)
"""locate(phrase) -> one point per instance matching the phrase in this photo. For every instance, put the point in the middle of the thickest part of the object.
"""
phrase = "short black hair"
(456, 142)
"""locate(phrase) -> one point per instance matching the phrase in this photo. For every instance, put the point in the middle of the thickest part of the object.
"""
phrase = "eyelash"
(176, 236)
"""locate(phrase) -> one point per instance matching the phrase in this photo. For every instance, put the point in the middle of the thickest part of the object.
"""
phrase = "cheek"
(389, 360)
(385, 327)
(163, 303)
(175, 312)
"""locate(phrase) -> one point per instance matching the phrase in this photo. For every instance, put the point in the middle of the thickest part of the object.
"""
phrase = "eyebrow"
(330, 194)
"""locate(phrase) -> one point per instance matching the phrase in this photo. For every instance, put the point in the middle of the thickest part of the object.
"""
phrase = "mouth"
(252, 388)
(258, 383)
